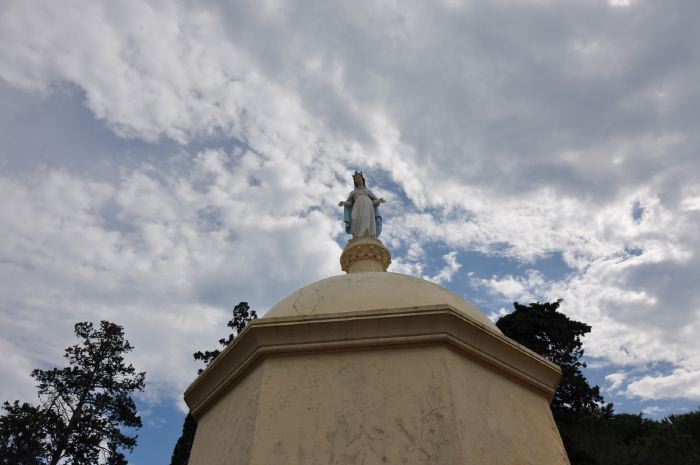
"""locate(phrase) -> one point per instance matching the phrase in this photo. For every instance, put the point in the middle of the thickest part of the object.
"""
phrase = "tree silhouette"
(591, 432)
(543, 329)
(242, 315)
(86, 413)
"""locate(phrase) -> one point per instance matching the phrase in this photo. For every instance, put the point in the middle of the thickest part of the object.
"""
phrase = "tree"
(86, 411)
(550, 333)
(242, 315)
(183, 446)
(687, 423)
(591, 432)
(24, 434)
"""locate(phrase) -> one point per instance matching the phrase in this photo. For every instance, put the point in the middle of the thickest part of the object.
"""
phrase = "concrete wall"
(424, 404)
(225, 435)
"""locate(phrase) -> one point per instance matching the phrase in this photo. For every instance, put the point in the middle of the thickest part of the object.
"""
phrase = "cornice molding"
(370, 330)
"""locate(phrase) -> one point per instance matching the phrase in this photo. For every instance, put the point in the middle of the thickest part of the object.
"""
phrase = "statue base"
(365, 254)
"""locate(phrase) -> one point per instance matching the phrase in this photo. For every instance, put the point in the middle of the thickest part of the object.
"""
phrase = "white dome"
(372, 291)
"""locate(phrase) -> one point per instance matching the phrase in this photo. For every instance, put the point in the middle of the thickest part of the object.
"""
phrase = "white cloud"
(535, 140)
(615, 380)
(162, 256)
(654, 411)
(620, 3)
(681, 382)
(524, 289)
(451, 267)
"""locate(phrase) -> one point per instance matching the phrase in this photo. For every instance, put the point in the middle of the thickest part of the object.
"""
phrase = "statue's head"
(359, 179)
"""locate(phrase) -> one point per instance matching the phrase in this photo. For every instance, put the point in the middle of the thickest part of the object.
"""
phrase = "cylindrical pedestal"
(365, 254)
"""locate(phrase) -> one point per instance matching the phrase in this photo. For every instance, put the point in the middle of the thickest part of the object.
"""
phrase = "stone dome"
(356, 292)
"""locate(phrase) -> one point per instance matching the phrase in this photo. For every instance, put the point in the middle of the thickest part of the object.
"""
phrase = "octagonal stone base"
(416, 386)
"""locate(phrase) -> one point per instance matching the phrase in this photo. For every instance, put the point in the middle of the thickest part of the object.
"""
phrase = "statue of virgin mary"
(361, 214)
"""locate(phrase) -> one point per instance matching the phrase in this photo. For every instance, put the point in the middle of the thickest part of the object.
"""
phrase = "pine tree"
(242, 315)
(86, 412)
(181, 453)
(548, 332)
(542, 328)
(25, 434)
(592, 433)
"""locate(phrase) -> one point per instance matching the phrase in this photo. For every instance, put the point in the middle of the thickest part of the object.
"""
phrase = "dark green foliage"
(181, 453)
(688, 423)
(592, 433)
(86, 410)
(24, 434)
(625, 439)
(241, 317)
(543, 329)
(550, 333)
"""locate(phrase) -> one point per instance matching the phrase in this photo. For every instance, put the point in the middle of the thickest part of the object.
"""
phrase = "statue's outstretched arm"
(348, 202)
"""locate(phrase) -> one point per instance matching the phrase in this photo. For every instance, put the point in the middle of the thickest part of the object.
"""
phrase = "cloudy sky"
(162, 160)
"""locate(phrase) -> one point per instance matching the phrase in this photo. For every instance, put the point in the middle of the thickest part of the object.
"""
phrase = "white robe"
(363, 223)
